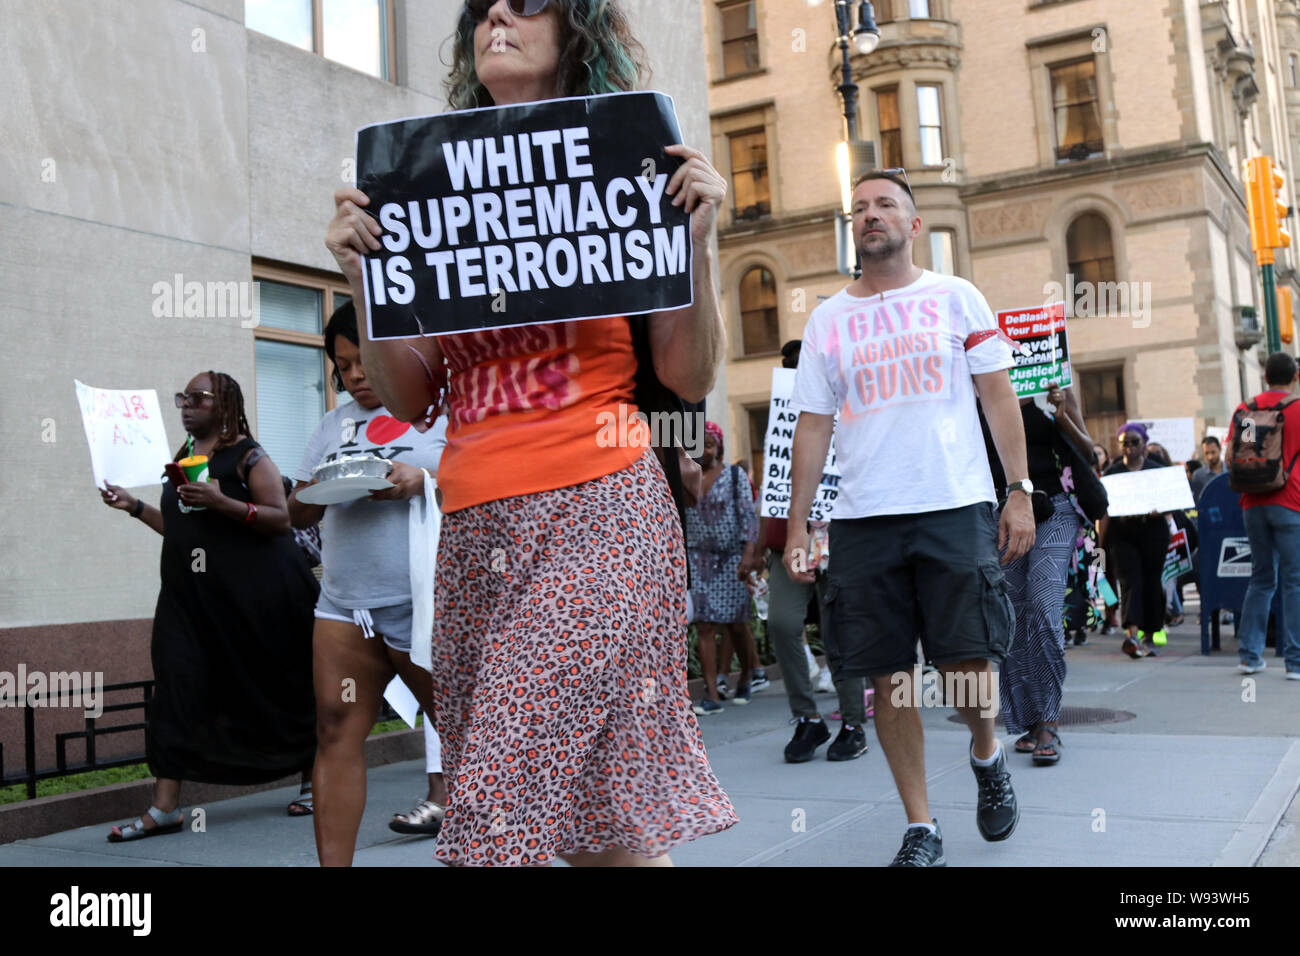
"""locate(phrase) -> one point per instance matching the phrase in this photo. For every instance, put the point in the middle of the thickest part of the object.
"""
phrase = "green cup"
(196, 469)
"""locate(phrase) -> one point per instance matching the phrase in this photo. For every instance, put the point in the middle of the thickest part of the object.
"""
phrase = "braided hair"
(231, 420)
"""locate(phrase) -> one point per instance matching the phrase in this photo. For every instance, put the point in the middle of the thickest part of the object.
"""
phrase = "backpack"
(1253, 459)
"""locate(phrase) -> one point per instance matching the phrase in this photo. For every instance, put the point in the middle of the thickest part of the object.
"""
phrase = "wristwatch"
(1024, 485)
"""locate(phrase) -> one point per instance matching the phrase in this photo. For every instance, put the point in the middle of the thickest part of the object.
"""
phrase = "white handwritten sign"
(1177, 435)
(1151, 489)
(777, 455)
(124, 428)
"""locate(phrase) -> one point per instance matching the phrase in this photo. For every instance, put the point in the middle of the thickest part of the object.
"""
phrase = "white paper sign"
(401, 699)
(124, 428)
(1152, 489)
(1177, 435)
(777, 455)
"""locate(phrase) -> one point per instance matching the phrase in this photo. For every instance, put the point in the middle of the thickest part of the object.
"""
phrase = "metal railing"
(89, 734)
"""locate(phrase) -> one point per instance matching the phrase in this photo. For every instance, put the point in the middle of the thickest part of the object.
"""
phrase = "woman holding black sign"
(559, 656)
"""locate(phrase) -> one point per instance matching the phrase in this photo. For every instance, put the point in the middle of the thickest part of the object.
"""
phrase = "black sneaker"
(997, 813)
(850, 744)
(921, 848)
(808, 736)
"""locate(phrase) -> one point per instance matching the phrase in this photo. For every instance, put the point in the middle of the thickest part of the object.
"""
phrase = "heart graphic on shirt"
(384, 429)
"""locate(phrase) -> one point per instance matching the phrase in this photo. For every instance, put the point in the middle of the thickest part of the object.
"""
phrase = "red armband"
(983, 335)
(252, 514)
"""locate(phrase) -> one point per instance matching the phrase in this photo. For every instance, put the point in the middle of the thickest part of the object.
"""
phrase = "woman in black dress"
(233, 700)
(1136, 546)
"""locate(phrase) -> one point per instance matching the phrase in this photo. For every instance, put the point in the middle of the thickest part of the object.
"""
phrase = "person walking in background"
(1212, 452)
(1102, 460)
(231, 648)
(721, 534)
(566, 725)
(1033, 672)
(1137, 545)
(1157, 453)
(901, 354)
(1264, 469)
(787, 609)
(362, 635)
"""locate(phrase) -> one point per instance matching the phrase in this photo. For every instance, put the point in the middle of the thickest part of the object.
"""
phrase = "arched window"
(1091, 257)
(760, 327)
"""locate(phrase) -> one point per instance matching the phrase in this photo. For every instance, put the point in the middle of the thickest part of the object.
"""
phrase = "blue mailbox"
(1224, 560)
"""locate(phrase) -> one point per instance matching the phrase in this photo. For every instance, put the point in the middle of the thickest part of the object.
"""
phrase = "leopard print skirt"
(559, 677)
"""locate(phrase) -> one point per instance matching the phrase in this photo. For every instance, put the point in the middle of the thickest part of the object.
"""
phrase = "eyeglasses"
(901, 173)
(1131, 442)
(478, 9)
(193, 399)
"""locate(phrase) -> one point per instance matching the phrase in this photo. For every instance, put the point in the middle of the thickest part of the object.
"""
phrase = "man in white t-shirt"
(901, 353)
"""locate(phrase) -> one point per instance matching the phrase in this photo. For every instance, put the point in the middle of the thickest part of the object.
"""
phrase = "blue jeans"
(1274, 533)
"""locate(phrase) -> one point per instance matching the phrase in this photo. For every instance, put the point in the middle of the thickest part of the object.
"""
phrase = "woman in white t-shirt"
(362, 635)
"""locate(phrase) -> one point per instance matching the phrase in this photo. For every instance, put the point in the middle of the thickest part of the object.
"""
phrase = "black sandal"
(1043, 760)
(1031, 739)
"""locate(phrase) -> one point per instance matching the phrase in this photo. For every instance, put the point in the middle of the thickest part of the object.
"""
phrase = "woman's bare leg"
(708, 658)
(615, 856)
(350, 674)
(420, 683)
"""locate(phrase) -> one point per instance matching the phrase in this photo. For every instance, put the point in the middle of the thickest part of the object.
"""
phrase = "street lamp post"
(864, 39)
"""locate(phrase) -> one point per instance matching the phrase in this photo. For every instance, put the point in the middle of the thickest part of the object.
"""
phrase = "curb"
(123, 801)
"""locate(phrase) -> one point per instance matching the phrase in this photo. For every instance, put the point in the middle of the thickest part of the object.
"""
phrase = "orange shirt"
(531, 408)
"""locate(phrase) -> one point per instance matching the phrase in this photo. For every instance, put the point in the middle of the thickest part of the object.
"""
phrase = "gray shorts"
(934, 575)
(392, 623)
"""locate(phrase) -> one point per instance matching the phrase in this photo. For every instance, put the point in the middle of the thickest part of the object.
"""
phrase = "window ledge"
(739, 76)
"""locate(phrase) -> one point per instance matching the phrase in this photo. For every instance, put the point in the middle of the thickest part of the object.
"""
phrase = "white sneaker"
(1252, 668)
(1293, 675)
(824, 683)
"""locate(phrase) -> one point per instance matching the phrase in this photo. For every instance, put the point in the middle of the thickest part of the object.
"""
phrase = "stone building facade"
(1045, 139)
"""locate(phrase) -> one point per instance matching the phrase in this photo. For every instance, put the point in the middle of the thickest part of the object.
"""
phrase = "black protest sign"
(512, 215)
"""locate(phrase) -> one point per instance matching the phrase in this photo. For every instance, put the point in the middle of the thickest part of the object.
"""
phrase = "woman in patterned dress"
(559, 659)
(721, 532)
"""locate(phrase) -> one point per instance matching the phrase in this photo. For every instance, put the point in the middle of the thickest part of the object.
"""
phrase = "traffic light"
(1285, 322)
(1265, 208)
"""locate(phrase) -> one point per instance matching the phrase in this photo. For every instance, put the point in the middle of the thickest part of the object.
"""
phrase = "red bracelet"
(252, 514)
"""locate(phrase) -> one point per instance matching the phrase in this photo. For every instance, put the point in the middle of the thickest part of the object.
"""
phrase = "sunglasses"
(900, 173)
(478, 9)
(193, 399)
(1131, 443)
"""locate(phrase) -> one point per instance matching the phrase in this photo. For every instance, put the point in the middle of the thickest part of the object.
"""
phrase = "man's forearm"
(812, 440)
(1002, 411)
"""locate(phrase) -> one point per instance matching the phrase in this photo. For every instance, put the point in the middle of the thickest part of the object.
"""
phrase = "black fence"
(88, 736)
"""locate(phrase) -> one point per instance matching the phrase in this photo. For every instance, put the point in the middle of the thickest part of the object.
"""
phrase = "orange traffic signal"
(1284, 320)
(1265, 208)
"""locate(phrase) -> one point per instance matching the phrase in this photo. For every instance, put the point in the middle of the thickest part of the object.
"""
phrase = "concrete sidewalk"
(1202, 775)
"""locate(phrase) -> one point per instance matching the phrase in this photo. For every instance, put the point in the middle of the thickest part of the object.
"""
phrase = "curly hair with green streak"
(598, 54)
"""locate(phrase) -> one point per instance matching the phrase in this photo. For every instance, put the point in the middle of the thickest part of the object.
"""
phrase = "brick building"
(1099, 139)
